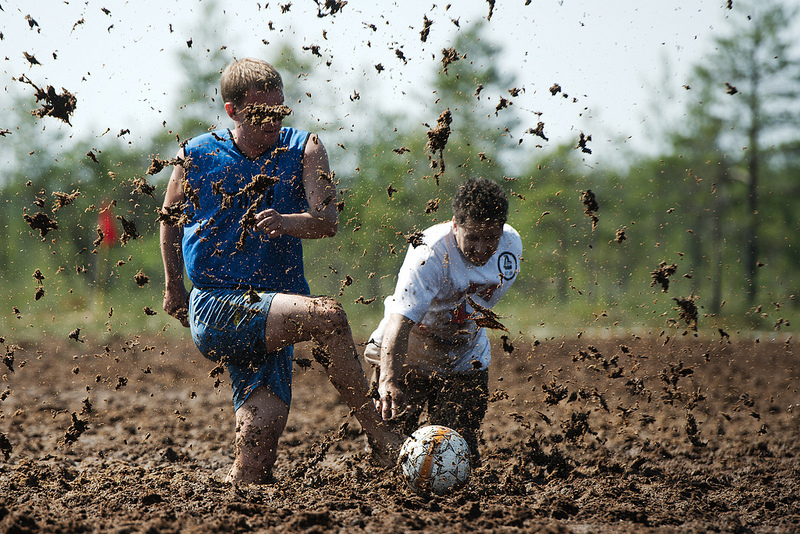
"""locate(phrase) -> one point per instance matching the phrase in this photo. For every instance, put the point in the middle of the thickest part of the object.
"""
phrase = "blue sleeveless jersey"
(216, 174)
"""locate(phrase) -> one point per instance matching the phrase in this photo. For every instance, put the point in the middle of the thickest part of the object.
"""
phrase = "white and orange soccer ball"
(435, 459)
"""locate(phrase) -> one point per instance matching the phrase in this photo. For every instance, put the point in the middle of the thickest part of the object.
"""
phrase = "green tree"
(750, 85)
(197, 104)
(479, 97)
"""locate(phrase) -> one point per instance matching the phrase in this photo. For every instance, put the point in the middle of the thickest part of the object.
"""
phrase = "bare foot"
(237, 475)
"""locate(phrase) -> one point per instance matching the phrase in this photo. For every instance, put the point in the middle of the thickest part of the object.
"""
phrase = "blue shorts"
(228, 328)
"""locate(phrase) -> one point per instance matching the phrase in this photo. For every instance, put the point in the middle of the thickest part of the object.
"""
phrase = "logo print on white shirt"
(507, 264)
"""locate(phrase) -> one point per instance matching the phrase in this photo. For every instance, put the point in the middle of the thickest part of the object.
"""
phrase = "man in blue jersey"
(237, 206)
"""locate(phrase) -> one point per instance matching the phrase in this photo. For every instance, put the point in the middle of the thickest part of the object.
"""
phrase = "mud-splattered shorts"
(228, 326)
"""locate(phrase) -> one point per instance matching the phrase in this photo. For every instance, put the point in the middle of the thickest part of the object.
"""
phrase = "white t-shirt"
(432, 289)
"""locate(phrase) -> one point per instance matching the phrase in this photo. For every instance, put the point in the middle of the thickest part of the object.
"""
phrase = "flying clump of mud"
(661, 275)
(261, 114)
(437, 140)
(59, 105)
(590, 206)
(449, 56)
(688, 310)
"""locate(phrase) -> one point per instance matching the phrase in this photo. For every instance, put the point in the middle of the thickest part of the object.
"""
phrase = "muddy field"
(652, 434)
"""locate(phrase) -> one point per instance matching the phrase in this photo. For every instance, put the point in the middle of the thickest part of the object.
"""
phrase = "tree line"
(703, 235)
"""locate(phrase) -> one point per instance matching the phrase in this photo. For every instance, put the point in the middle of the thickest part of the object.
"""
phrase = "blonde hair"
(243, 75)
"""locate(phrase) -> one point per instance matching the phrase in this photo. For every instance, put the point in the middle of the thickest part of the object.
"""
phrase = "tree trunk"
(718, 243)
(753, 217)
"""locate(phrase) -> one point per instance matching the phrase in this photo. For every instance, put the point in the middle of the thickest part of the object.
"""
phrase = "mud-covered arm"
(394, 349)
(322, 217)
(176, 298)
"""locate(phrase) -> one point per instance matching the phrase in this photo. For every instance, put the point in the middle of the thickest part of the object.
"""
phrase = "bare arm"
(394, 349)
(176, 298)
(322, 217)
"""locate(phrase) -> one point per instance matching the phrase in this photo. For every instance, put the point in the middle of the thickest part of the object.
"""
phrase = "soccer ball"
(435, 459)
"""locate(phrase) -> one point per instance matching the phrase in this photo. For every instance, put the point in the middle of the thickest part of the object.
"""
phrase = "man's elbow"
(330, 229)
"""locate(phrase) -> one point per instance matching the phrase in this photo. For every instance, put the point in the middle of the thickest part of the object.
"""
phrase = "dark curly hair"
(480, 200)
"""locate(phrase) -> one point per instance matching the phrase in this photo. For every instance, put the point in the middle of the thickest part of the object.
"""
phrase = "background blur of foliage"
(719, 201)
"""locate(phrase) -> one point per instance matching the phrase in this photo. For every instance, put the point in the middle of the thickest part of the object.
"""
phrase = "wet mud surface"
(582, 435)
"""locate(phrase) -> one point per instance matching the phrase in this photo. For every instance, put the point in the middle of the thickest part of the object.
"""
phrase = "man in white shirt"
(428, 350)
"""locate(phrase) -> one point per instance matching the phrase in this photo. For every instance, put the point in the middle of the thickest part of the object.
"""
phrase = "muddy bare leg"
(259, 424)
(323, 320)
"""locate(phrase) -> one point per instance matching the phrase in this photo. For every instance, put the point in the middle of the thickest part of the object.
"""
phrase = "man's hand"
(176, 303)
(392, 403)
(270, 222)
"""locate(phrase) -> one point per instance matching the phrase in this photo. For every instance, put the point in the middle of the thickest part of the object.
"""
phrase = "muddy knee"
(330, 319)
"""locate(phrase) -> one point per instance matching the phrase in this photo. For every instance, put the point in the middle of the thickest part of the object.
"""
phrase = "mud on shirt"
(432, 289)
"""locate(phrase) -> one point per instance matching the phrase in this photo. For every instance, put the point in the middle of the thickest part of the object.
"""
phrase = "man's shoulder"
(428, 252)
(290, 131)
(294, 137)
(510, 230)
(436, 234)
(511, 234)
(216, 136)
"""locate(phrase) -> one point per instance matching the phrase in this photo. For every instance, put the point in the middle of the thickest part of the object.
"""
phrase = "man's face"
(251, 116)
(478, 241)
